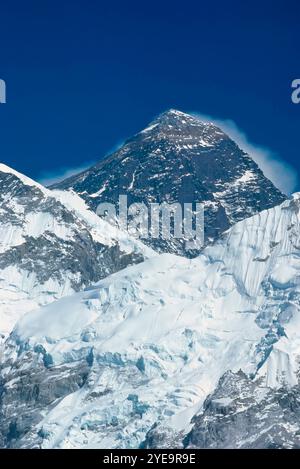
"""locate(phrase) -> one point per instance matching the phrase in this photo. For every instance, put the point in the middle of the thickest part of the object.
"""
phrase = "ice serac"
(178, 158)
(51, 245)
(172, 352)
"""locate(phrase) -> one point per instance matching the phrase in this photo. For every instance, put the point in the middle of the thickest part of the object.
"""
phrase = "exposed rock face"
(151, 356)
(242, 413)
(178, 158)
(51, 245)
(33, 392)
(171, 352)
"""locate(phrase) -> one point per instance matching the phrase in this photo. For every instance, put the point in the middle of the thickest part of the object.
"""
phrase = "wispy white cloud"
(47, 178)
(282, 174)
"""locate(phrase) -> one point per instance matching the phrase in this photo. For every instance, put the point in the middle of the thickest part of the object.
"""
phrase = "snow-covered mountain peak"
(179, 159)
(181, 118)
(296, 196)
(137, 354)
(179, 128)
(21, 177)
(52, 244)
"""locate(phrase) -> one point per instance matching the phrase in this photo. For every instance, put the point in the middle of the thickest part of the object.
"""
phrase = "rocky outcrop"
(242, 413)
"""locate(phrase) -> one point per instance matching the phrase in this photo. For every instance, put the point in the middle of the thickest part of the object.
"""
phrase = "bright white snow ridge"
(109, 344)
(32, 214)
(159, 335)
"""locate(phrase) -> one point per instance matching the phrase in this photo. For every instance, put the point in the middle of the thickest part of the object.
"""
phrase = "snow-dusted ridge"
(51, 245)
(24, 179)
(104, 232)
(179, 158)
(154, 339)
(152, 350)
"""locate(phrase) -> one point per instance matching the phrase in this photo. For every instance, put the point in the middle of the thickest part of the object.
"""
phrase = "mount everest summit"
(178, 158)
(108, 343)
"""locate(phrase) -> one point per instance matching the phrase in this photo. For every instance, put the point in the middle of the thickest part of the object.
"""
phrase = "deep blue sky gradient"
(82, 76)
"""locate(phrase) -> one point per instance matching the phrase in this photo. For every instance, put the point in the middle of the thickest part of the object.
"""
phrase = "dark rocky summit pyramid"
(179, 158)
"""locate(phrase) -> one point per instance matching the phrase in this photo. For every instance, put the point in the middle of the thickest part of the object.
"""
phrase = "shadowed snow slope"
(141, 350)
(52, 245)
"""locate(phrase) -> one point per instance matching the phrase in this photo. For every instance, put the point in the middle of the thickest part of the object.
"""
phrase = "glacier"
(171, 352)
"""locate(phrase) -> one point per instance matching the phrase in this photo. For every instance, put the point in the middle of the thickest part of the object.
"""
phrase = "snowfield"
(154, 340)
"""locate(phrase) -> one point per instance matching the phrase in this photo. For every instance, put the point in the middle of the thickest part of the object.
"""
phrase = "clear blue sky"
(84, 75)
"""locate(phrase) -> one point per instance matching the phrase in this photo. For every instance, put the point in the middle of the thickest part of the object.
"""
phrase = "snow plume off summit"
(180, 159)
(125, 345)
